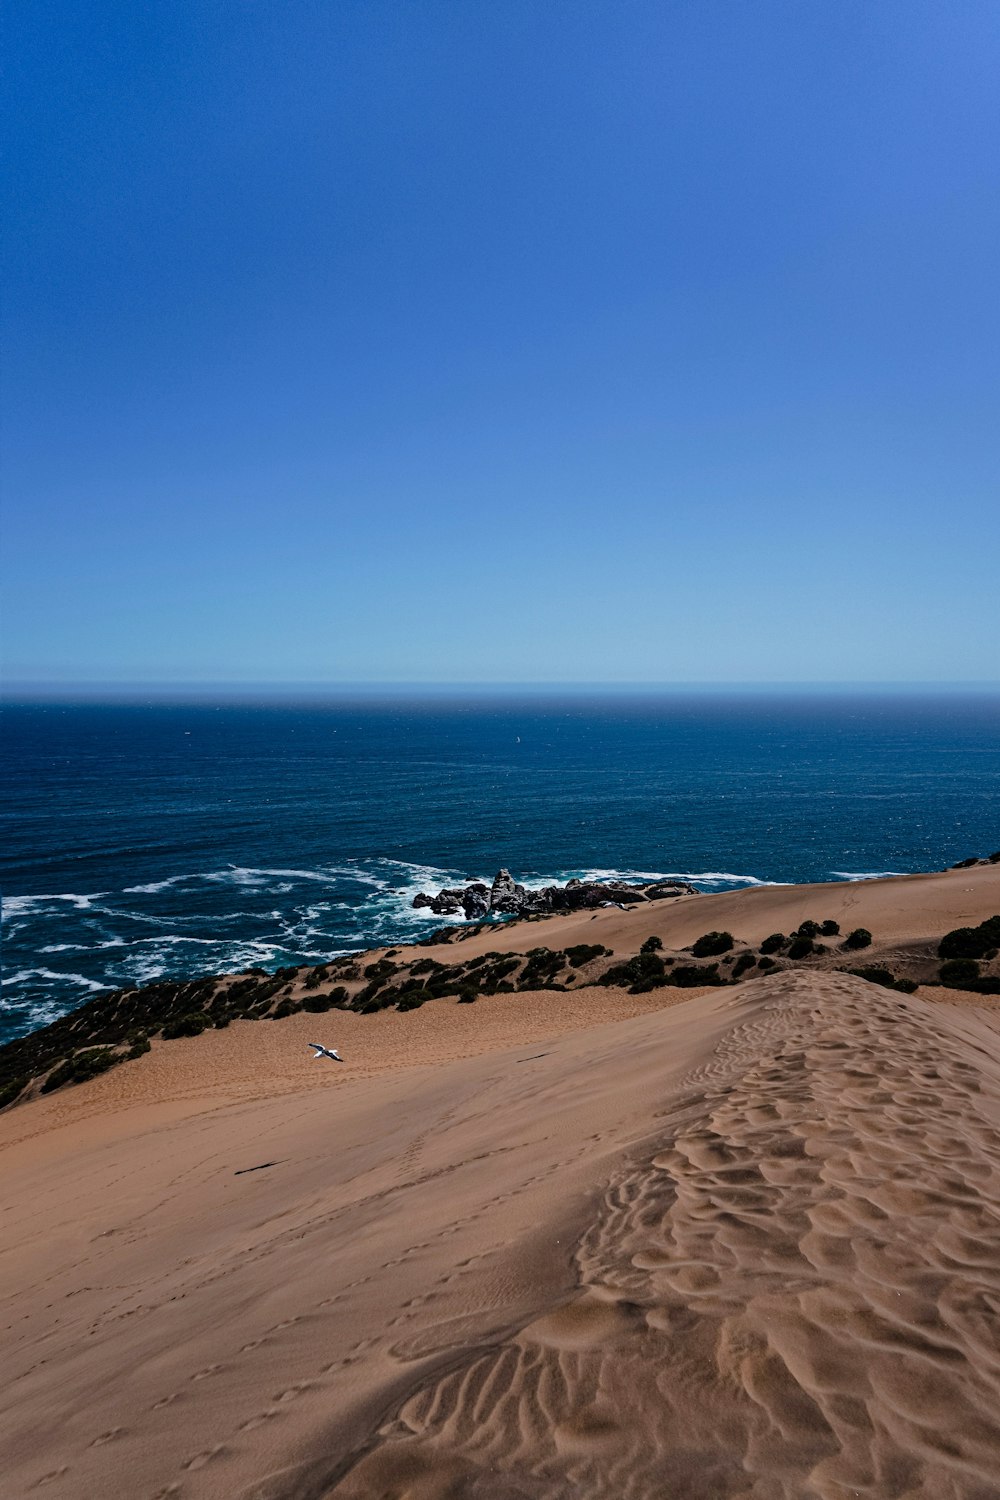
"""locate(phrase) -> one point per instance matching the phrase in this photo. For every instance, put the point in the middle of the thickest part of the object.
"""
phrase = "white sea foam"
(81, 979)
(155, 886)
(694, 877)
(865, 874)
(25, 905)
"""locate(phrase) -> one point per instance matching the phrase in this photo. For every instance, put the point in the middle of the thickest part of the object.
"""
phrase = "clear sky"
(461, 340)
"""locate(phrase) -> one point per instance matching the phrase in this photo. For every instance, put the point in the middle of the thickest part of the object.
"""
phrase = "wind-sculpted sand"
(748, 1246)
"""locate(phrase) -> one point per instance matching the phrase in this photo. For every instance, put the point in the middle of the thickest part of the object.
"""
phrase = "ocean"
(147, 841)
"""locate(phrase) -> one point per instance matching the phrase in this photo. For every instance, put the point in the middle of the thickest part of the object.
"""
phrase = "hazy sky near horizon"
(631, 340)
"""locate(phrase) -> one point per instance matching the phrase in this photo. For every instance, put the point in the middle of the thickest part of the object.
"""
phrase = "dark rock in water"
(476, 900)
(507, 897)
(669, 888)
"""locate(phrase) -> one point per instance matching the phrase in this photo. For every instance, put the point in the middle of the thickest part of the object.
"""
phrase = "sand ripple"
(792, 1290)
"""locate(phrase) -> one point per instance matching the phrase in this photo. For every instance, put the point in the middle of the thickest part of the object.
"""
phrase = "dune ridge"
(747, 1246)
(795, 1291)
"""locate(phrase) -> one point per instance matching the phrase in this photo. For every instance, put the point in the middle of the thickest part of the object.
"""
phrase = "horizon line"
(97, 690)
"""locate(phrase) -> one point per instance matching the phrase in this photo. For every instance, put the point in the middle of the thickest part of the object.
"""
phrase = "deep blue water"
(176, 840)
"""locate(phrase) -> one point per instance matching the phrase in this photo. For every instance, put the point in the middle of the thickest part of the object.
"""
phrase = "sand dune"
(745, 1246)
(900, 909)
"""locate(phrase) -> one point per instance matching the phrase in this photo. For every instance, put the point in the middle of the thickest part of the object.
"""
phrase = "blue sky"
(475, 342)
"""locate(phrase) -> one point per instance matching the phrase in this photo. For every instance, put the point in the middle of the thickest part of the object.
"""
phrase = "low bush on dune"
(809, 929)
(646, 969)
(774, 943)
(884, 977)
(191, 1025)
(767, 963)
(859, 938)
(583, 953)
(830, 928)
(381, 969)
(317, 1003)
(467, 995)
(12, 1090)
(285, 1008)
(711, 943)
(964, 974)
(688, 976)
(972, 942)
(541, 967)
(652, 945)
(744, 962)
(81, 1066)
(801, 947)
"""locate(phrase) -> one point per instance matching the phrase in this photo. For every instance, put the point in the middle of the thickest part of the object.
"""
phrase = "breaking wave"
(177, 926)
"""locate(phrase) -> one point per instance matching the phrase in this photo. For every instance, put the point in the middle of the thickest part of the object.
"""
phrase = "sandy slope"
(745, 1246)
(901, 909)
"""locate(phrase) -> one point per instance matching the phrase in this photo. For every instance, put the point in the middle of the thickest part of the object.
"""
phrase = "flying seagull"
(330, 1052)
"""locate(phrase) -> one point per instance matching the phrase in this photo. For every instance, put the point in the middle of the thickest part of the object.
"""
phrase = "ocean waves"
(178, 841)
(69, 945)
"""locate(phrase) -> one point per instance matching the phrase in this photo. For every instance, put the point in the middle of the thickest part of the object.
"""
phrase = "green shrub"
(711, 943)
(540, 969)
(687, 976)
(192, 1025)
(11, 1090)
(412, 999)
(744, 962)
(971, 942)
(808, 929)
(468, 995)
(285, 1008)
(859, 938)
(315, 1004)
(140, 1047)
(875, 975)
(957, 972)
(801, 947)
(80, 1067)
(583, 953)
(646, 969)
(906, 986)
(652, 945)
(380, 969)
(774, 943)
(767, 963)
(830, 928)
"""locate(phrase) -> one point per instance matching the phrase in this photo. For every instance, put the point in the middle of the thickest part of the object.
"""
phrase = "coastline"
(239, 1057)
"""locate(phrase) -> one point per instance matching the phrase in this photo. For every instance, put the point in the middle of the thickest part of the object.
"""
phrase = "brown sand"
(896, 910)
(745, 1246)
(684, 1244)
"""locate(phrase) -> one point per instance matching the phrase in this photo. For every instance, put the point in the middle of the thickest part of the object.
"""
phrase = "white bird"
(330, 1052)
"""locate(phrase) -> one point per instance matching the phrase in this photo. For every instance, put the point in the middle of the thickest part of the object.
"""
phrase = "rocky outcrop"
(508, 898)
